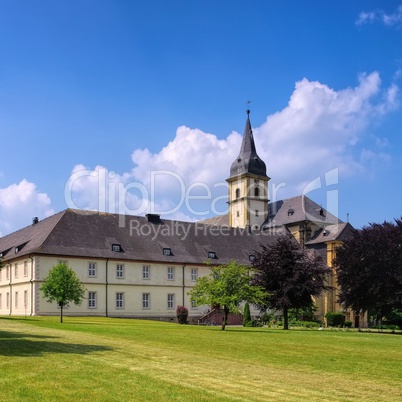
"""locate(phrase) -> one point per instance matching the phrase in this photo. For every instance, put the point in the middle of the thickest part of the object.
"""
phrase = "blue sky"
(136, 107)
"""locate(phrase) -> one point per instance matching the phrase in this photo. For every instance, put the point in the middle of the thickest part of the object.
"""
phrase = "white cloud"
(320, 129)
(394, 19)
(19, 203)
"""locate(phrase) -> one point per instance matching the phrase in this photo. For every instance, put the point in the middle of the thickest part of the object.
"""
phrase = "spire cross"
(248, 105)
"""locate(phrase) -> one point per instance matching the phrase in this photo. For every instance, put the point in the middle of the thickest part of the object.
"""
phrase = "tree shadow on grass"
(26, 345)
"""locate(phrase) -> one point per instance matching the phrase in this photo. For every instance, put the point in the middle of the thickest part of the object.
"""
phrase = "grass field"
(103, 359)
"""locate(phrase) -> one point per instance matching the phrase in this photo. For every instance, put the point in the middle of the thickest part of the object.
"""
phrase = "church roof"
(340, 232)
(248, 162)
(298, 209)
(75, 233)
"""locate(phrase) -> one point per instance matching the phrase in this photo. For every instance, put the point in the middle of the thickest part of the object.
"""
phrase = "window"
(116, 247)
(15, 270)
(146, 300)
(8, 272)
(25, 298)
(238, 213)
(92, 269)
(120, 300)
(120, 271)
(167, 251)
(146, 270)
(16, 299)
(237, 192)
(211, 254)
(170, 273)
(25, 268)
(251, 257)
(194, 274)
(1, 301)
(256, 213)
(193, 304)
(256, 192)
(91, 299)
(8, 300)
(170, 301)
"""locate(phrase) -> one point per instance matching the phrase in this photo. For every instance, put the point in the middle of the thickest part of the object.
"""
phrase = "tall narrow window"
(193, 304)
(256, 192)
(170, 301)
(15, 270)
(237, 192)
(16, 299)
(119, 271)
(25, 298)
(256, 213)
(8, 300)
(120, 300)
(1, 301)
(92, 269)
(8, 272)
(91, 299)
(25, 268)
(170, 273)
(146, 300)
(146, 271)
(194, 274)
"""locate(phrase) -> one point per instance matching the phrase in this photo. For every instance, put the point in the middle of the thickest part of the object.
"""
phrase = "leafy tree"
(290, 275)
(247, 316)
(227, 286)
(63, 286)
(369, 269)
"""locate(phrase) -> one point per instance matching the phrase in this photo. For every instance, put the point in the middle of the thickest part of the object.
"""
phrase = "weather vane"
(248, 106)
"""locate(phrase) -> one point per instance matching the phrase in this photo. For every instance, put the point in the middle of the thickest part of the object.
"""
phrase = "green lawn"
(103, 359)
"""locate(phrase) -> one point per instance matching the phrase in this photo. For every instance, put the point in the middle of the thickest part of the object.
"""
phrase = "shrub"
(335, 319)
(247, 316)
(348, 324)
(266, 318)
(182, 314)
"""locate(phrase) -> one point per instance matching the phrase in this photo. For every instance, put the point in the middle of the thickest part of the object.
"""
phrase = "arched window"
(237, 192)
(256, 192)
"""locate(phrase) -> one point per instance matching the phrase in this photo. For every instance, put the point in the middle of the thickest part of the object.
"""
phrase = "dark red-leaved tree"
(369, 269)
(290, 275)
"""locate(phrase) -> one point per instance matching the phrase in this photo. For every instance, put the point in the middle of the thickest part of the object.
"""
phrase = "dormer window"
(16, 250)
(290, 212)
(167, 251)
(116, 248)
(251, 257)
(211, 254)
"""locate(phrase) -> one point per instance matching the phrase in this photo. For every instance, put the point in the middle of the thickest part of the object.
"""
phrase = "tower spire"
(248, 160)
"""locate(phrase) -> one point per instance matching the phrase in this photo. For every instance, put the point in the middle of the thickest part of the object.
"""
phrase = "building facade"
(144, 267)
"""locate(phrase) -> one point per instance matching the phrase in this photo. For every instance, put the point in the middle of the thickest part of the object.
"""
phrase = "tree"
(63, 286)
(227, 286)
(290, 275)
(247, 316)
(369, 269)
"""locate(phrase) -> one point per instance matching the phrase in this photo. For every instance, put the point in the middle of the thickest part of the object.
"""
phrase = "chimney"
(35, 220)
(153, 218)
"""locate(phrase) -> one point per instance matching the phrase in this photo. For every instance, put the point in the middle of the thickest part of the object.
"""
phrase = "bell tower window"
(256, 192)
(237, 193)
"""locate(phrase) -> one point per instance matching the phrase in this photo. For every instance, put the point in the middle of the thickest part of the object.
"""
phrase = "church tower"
(248, 185)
